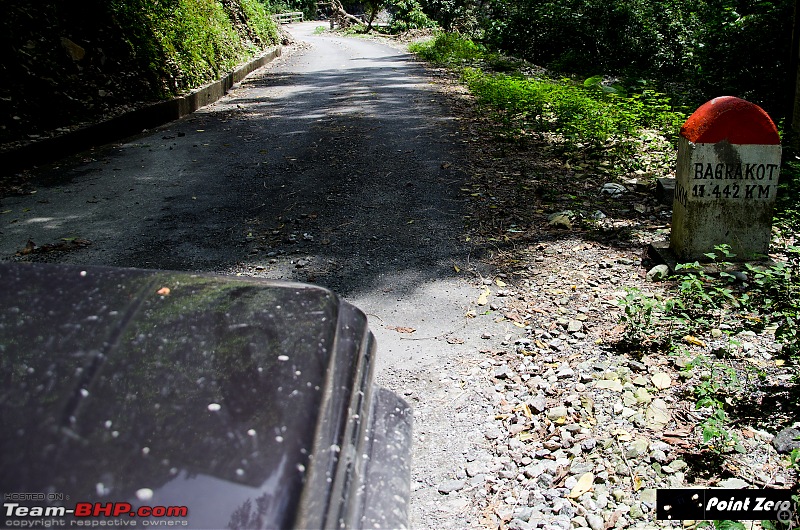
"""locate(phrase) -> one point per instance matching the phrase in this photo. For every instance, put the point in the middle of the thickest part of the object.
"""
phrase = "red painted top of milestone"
(732, 119)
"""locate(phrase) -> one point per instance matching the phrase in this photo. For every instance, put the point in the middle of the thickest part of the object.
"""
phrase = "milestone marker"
(729, 160)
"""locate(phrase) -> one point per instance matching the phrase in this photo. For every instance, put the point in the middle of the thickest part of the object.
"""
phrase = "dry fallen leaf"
(680, 442)
(680, 432)
(688, 339)
(657, 415)
(609, 384)
(585, 484)
(499, 282)
(525, 410)
(612, 521)
(661, 380)
(483, 299)
(622, 435)
(562, 472)
(401, 329)
(30, 246)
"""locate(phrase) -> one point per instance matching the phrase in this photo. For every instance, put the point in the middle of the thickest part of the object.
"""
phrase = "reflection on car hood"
(229, 396)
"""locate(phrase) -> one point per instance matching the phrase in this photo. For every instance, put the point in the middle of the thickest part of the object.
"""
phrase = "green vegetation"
(708, 299)
(186, 43)
(718, 388)
(307, 7)
(408, 14)
(760, 296)
(723, 525)
(575, 111)
(74, 64)
(701, 48)
(591, 113)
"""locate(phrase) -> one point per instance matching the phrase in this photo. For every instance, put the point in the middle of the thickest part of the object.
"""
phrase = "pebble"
(734, 484)
(596, 522)
(657, 273)
(538, 404)
(637, 448)
(555, 413)
(635, 511)
(476, 468)
(450, 486)
(493, 432)
(787, 440)
(564, 404)
(564, 373)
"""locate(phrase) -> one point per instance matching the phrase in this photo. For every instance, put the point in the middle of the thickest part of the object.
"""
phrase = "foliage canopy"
(700, 48)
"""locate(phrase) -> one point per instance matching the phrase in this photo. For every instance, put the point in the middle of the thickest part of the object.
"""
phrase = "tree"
(371, 9)
(464, 16)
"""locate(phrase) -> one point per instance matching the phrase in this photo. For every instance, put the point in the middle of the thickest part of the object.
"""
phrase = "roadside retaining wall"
(127, 124)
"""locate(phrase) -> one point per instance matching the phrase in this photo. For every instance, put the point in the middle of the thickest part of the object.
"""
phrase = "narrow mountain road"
(336, 164)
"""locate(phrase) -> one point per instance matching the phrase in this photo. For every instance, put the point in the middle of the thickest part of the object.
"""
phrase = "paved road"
(336, 164)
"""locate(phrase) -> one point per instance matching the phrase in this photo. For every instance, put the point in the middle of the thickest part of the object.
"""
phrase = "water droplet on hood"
(144, 494)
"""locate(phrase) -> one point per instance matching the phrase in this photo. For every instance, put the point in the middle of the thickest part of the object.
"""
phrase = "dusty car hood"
(237, 398)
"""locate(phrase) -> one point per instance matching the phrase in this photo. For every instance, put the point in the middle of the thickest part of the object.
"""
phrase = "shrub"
(186, 43)
(448, 48)
(706, 47)
(408, 14)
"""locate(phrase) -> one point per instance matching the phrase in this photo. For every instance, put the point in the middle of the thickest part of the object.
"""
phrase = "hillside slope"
(69, 62)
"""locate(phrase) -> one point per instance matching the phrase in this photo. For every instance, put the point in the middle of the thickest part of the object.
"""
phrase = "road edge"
(129, 123)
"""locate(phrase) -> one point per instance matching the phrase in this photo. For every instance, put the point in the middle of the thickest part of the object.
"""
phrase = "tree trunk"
(793, 116)
(344, 18)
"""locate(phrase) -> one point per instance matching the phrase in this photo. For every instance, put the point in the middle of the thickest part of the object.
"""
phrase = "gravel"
(551, 406)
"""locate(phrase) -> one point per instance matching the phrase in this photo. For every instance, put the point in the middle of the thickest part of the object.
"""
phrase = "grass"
(579, 113)
(186, 43)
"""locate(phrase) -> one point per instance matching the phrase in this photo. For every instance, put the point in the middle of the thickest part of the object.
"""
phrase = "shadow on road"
(345, 176)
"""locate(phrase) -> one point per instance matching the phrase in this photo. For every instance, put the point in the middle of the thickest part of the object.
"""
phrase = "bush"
(545, 105)
(463, 16)
(185, 43)
(408, 14)
(706, 47)
(575, 111)
(308, 7)
(448, 48)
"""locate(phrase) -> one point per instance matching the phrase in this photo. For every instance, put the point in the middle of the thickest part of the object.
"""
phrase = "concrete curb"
(129, 123)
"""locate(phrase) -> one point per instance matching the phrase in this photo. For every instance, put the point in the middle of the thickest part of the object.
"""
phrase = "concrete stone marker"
(729, 159)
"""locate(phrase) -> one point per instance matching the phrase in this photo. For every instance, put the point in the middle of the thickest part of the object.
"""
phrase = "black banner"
(725, 504)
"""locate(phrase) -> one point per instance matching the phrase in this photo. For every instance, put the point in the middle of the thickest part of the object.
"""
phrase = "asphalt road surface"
(336, 164)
